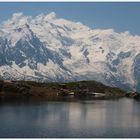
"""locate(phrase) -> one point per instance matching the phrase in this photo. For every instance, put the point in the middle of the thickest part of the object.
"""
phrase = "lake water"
(98, 118)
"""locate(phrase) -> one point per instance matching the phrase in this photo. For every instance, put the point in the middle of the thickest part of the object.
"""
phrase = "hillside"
(23, 90)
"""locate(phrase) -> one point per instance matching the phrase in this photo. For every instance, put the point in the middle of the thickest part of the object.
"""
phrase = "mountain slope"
(47, 48)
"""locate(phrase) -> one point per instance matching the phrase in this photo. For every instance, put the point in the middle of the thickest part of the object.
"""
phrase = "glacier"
(46, 48)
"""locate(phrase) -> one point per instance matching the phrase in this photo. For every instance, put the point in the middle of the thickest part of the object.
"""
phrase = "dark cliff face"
(137, 71)
(30, 49)
(5, 55)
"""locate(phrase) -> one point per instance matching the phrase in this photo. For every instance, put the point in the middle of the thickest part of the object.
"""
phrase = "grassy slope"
(28, 89)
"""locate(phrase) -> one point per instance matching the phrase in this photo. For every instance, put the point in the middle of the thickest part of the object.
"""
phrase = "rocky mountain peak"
(55, 49)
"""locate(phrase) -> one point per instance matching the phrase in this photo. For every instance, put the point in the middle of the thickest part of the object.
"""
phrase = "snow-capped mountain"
(47, 48)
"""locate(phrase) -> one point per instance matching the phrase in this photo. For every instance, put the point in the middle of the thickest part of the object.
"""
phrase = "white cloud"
(16, 16)
(50, 16)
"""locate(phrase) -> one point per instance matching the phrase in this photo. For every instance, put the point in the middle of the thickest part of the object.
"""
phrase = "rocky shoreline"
(82, 90)
(27, 90)
(134, 95)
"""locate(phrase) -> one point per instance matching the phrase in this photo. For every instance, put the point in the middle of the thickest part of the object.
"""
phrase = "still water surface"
(98, 118)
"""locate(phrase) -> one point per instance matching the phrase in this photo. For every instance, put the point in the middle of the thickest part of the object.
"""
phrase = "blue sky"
(119, 16)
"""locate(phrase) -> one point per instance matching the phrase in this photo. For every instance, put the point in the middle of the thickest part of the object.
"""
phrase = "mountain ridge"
(53, 49)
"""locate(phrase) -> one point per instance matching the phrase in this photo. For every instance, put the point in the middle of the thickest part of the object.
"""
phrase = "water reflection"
(117, 118)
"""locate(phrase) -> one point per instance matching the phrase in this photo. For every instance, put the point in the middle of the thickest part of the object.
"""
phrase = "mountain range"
(50, 49)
